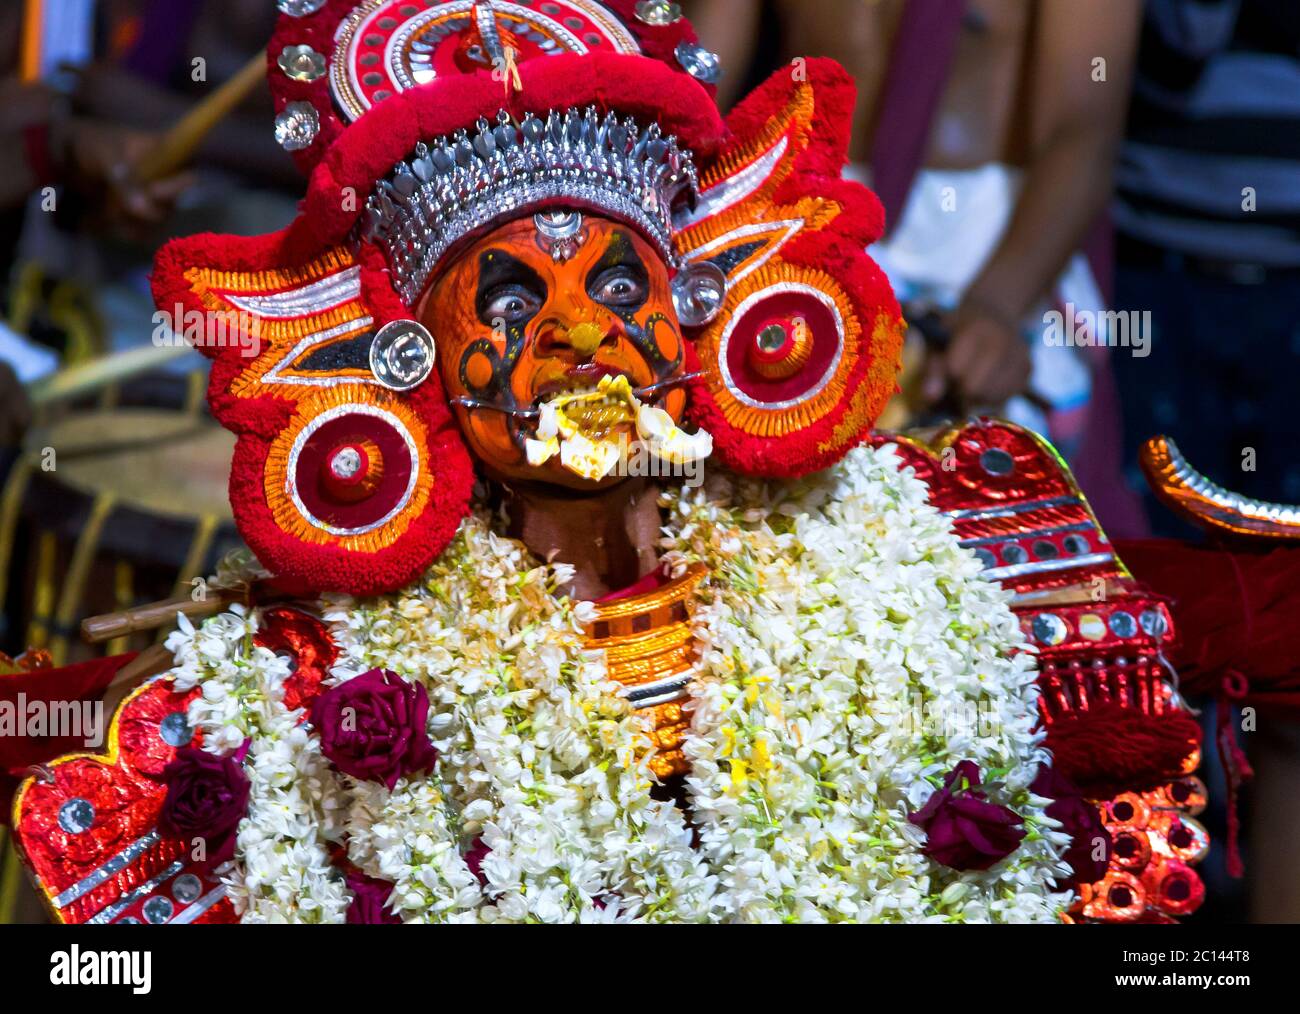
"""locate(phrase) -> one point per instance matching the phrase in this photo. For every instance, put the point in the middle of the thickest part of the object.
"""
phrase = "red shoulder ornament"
(1117, 728)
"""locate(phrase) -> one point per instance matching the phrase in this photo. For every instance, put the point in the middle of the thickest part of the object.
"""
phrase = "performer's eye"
(509, 292)
(620, 286)
(513, 304)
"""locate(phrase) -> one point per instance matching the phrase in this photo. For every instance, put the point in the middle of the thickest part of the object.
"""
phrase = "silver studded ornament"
(157, 911)
(699, 291)
(186, 888)
(773, 338)
(301, 63)
(457, 184)
(997, 462)
(174, 730)
(1123, 625)
(402, 355)
(346, 463)
(76, 816)
(1153, 622)
(297, 126)
(658, 12)
(299, 8)
(1050, 629)
(560, 233)
(700, 63)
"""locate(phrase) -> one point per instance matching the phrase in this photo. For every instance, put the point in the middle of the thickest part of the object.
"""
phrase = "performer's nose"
(582, 341)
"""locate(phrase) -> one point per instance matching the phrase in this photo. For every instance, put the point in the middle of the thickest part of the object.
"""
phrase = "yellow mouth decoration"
(585, 428)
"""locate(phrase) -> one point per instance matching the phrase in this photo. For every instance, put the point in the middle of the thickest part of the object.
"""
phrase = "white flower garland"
(283, 871)
(845, 642)
(852, 655)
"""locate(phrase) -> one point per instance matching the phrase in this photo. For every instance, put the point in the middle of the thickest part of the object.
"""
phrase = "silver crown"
(456, 186)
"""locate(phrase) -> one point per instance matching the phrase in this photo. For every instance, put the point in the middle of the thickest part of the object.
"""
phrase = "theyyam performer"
(583, 589)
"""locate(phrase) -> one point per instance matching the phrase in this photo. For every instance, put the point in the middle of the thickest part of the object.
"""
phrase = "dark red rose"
(370, 901)
(1081, 820)
(474, 860)
(375, 728)
(207, 797)
(964, 830)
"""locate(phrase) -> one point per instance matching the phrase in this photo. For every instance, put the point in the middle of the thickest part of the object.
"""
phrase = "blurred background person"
(1208, 213)
(989, 129)
(42, 144)
(88, 91)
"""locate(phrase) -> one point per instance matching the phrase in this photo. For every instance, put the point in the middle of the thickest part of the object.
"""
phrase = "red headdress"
(424, 122)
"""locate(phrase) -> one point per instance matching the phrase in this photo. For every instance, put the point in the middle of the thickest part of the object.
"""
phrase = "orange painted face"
(550, 305)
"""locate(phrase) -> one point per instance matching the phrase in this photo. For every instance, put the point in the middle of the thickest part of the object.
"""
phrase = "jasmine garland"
(834, 608)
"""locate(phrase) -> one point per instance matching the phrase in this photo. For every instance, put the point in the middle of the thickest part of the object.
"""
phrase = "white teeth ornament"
(541, 451)
(588, 458)
(667, 441)
(595, 457)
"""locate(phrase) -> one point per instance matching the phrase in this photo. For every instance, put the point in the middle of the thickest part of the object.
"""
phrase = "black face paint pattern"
(644, 339)
(497, 268)
(621, 253)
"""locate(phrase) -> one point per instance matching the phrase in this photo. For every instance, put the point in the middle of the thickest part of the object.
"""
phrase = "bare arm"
(243, 142)
(1078, 125)
(1078, 121)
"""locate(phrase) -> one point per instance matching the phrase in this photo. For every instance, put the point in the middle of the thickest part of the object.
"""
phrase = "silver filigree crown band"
(455, 186)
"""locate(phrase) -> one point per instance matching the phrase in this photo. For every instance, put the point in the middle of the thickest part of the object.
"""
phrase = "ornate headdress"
(424, 123)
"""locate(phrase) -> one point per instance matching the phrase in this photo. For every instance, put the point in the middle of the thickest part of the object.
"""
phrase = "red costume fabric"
(1237, 614)
(44, 688)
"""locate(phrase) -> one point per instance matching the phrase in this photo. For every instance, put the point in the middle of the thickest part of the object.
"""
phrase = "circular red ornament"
(1175, 888)
(781, 349)
(767, 375)
(352, 471)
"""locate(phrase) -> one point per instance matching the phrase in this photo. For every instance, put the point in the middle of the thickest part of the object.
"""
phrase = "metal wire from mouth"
(533, 413)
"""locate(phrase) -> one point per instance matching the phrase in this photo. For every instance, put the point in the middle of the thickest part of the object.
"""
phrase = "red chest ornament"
(1116, 727)
(87, 824)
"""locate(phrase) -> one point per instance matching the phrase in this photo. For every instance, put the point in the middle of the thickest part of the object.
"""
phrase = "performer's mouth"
(590, 427)
(653, 393)
(587, 376)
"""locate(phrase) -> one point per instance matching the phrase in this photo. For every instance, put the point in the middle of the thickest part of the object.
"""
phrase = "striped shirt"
(1210, 166)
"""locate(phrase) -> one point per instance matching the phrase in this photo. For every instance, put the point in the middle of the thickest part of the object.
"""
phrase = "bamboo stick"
(98, 629)
(182, 141)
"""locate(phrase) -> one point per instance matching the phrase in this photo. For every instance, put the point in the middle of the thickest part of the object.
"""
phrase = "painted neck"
(610, 537)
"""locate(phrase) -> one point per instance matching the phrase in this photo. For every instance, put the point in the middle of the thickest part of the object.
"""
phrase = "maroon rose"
(207, 797)
(1079, 819)
(474, 860)
(964, 830)
(370, 901)
(374, 727)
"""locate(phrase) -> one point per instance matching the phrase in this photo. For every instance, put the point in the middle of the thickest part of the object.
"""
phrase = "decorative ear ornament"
(698, 294)
(402, 355)
(349, 474)
(800, 357)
